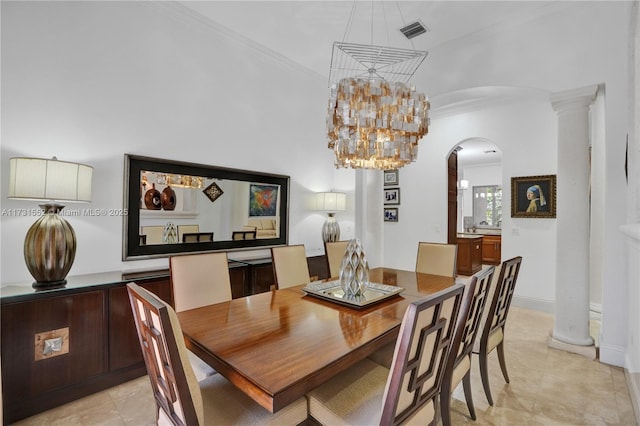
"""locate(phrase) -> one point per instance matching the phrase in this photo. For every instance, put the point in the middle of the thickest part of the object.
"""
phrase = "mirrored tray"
(331, 290)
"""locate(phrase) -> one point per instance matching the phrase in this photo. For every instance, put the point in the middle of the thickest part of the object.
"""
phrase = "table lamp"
(50, 244)
(331, 202)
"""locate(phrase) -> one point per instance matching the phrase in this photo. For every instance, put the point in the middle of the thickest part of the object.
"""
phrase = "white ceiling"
(304, 31)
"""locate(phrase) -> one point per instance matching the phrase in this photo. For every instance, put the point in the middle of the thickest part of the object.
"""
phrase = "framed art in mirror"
(217, 203)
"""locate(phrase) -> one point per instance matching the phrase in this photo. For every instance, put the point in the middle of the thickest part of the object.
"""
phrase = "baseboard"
(633, 383)
(612, 354)
(533, 304)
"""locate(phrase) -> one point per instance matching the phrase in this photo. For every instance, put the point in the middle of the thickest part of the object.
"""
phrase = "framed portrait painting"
(533, 196)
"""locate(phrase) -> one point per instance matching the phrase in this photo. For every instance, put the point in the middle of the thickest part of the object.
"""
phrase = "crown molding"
(185, 14)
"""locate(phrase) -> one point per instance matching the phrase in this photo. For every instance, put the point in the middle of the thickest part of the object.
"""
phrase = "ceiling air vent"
(414, 29)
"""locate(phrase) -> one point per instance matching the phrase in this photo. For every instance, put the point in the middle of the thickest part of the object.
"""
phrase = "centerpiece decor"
(354, 271)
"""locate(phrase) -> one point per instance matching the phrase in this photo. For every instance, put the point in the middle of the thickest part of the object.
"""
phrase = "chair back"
(173, 382)
(197, 237)
(199, 280)
(423, 345)
(187, 229)
(334, 252)
(290, 267)
(437, 259)
(153, 234)
(470, 318)
(503, 293)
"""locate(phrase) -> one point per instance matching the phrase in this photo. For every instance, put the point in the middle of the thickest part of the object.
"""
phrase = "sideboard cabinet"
(92, 317)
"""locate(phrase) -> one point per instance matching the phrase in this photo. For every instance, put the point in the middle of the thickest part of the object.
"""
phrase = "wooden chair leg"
(445, 403)
(484, 374)
(466, 383)
(503, 364)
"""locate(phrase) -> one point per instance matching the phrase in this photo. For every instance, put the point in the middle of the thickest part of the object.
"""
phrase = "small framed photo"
(533, 196)
(390, 177)
(392, 196)
(390, 214)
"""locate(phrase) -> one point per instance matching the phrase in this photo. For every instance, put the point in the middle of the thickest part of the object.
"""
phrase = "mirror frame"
(134, 164)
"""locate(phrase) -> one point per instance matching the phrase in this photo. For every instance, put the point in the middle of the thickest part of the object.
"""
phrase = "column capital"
(581, 97)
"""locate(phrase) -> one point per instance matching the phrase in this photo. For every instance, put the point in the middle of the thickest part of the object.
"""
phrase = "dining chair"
(492, 328)
(180, 398)
(458, 368)
(153, 234)
(187, 229)
(368, 393)
(199, 280)
(334, 252)
(290, 267)
(437, 259)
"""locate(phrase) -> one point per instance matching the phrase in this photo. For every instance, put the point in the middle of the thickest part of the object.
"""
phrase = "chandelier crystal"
(375, 119)
(375, 124)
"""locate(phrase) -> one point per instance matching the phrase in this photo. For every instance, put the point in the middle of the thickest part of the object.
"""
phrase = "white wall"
(575, 45)
(91, 81)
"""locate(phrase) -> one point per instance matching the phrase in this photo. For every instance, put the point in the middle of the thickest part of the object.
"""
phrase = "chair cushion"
(224, 404)
(384, 355)
(354, 397)
(200, 368)
(459, 371)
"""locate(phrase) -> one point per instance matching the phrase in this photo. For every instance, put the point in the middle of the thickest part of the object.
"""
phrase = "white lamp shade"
(49, 179)
(331, 201)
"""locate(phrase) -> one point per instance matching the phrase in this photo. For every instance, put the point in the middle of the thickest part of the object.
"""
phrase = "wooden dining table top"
(277, 346)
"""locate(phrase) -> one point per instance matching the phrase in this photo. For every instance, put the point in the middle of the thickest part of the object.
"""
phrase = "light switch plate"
(49, 344)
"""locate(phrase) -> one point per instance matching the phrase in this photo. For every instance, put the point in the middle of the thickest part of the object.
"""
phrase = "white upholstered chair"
(199, 280)
(368, 393)
(290, 267)
(180, 398)
(459, 362)
(492, 327)
(187, 229)
(334, 251)
(153, 234)
(437, 259)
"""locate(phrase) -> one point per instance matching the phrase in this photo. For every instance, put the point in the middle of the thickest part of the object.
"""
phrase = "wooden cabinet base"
(469, 259)
(491, 249)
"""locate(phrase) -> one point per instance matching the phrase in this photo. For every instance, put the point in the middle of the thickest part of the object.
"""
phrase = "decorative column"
(571, 326)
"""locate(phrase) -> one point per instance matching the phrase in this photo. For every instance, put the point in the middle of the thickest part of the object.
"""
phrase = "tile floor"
(548, 387)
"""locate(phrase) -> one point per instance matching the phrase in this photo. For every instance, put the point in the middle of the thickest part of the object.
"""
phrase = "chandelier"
(375, 120)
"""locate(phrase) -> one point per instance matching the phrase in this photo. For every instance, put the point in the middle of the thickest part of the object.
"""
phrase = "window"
(487, 206)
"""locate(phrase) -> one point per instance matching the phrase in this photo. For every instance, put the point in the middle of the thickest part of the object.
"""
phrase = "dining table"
(278, 345)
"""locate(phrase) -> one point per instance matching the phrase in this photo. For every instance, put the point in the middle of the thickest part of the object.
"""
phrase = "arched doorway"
(474, 162)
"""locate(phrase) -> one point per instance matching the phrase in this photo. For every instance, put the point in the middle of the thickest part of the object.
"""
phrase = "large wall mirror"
(177, 207)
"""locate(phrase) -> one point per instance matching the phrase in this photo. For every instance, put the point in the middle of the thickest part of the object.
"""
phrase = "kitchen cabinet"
(469, 260)
(491, 249)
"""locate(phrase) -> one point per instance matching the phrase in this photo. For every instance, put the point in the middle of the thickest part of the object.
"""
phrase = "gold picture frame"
(533, 196)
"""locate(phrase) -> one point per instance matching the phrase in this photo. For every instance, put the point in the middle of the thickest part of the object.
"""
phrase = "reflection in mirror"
(180, 207)
(487, 206)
